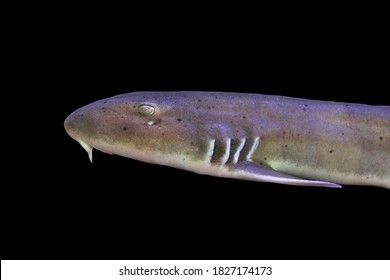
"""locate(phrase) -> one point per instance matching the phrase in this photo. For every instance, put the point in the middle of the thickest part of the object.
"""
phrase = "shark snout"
(75, 124)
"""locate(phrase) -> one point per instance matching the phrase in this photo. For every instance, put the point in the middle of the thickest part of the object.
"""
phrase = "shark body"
(244, 136)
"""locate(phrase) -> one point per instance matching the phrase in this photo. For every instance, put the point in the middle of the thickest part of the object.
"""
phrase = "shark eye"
(146, 109)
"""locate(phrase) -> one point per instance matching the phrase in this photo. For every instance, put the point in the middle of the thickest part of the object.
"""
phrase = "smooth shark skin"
(244, 136)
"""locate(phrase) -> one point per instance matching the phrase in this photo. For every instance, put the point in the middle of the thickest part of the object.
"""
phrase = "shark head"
(147, 126)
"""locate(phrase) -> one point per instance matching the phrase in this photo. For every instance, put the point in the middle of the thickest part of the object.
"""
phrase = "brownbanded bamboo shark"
(243, 136)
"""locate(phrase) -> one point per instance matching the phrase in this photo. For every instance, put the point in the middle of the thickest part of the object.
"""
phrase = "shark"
(247, 136)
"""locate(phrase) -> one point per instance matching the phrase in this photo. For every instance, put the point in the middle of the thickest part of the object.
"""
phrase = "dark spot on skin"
(199, 100)
(197, 107)
(192, 143)
(216, 97)
(105, 102)
(380, 138)
(330, 151)
(209, 107)
(261, 163)
(184, 159)
(187, 153)
(285, 146)
(125, 128)
(306, 105)
(134, 106)
(342, 133)
(298, 134)
(284, 132)
(82, 115)
(265, 158)
(231, 122)
(163, 133)
(304, 109)
(262, 138)
(244, 117)
(179, 119)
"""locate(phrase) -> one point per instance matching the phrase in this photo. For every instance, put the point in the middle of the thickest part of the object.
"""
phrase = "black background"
(59, 205)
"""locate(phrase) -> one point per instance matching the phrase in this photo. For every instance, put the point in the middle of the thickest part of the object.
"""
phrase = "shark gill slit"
(253, 148)
(236, 146)
(225, 156)
(210, 150)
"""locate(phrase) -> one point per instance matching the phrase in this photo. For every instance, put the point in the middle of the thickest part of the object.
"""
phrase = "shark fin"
(255, 172)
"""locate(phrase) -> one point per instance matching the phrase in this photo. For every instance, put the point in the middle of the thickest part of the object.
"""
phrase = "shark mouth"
(86, 147)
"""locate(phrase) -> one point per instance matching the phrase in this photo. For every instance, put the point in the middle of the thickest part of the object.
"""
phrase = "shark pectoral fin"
(256, 172)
